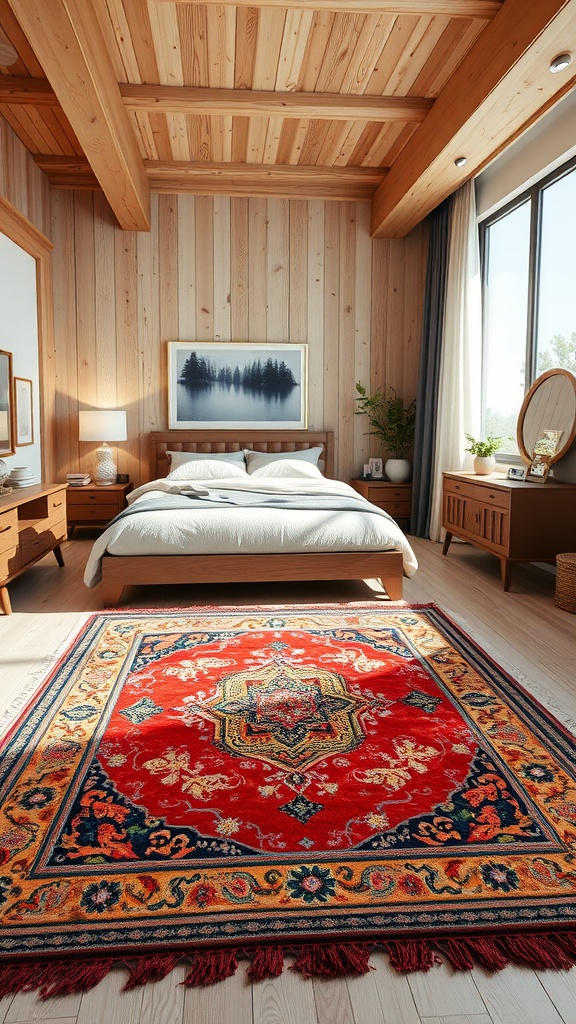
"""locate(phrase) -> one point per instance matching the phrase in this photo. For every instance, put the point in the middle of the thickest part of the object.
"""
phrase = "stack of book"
(78, 479)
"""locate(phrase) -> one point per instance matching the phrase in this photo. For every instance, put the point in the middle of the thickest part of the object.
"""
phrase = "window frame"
(533, 195)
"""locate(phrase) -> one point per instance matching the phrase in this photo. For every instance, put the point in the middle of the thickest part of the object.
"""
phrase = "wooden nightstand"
(94, 506)
(395, 499)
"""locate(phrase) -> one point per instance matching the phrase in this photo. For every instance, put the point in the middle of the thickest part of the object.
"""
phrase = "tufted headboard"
(206, 441)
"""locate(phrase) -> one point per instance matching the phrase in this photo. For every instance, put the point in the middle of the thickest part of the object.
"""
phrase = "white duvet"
(251, 530)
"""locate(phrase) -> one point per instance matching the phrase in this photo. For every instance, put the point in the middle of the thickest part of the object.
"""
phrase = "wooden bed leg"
(393, 588)
(111, 593)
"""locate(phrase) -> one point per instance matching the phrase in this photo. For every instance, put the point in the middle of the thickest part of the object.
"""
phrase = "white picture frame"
(237, 384)
(516, 473)
(377, 469)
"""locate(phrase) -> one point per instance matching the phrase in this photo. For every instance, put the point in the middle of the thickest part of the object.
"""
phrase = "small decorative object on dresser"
(483, 452)
(32, 523)
(90, 505)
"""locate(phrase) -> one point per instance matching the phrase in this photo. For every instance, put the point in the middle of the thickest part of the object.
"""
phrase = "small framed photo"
(23, 411)
(538, 469)
(377, 469)
(516, 473)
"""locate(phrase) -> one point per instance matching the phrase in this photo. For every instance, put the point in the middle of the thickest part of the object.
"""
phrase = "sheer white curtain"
(461, 363)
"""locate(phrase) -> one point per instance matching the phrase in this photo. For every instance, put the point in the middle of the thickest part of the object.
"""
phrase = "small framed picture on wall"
(24, 416)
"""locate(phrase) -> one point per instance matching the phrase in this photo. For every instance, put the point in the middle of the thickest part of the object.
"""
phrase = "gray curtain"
(430, 356)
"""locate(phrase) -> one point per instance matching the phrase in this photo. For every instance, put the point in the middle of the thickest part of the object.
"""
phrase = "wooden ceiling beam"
(171, 99)
(67, 40)
(35, 92)
(499, 89)
(282, 181)
(485, 9)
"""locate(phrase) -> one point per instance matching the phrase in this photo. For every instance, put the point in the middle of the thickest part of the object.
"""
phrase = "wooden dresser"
(32, 522)
(395, 499)
(516, 520)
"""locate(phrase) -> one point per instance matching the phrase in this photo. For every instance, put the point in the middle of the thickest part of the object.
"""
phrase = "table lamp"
(103, 425)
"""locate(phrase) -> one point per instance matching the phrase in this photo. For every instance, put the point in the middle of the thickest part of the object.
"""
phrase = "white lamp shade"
(102, 425)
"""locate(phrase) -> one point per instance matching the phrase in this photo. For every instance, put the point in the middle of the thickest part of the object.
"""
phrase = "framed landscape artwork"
(237, 384)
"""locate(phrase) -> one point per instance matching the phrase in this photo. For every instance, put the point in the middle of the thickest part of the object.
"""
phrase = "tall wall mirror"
(6, 411)
(549, 406)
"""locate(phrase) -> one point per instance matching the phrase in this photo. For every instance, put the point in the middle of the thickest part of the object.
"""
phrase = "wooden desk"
(32, 522)
(518, 521)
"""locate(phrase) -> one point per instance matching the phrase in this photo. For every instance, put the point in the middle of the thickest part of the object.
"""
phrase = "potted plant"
(483, 452)
(393, 423)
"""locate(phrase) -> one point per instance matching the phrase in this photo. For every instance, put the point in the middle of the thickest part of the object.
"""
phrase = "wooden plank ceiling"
(339, 99)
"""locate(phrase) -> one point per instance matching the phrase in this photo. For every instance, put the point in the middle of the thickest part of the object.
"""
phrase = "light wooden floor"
(523, 630)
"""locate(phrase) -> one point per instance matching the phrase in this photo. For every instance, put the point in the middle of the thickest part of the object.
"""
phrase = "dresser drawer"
(8, 530)
(84, 497)
(478, 492)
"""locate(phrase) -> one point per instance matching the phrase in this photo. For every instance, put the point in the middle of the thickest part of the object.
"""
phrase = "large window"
(529, 280)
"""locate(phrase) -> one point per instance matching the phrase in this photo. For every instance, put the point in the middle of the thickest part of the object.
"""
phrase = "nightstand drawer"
(396, 509)
(95, 513)
(101, 496)
(8, 530)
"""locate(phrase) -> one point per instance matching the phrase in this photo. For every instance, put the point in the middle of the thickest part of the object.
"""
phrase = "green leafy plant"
(483, 448)
(390, 420)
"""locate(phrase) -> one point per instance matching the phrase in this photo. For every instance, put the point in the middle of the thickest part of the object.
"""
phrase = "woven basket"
(566, 582)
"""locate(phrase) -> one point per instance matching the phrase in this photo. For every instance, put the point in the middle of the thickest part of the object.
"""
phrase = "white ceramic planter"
(484, 464)
(397, 470)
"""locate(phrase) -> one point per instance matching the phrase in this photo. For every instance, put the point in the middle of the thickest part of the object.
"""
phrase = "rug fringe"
(210, 966)
(54, 978)
(150, 968)
(267, 962)
(332, 960)
(410, 954)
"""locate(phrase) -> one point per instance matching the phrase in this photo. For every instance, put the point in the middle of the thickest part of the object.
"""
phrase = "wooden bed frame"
(146, 570)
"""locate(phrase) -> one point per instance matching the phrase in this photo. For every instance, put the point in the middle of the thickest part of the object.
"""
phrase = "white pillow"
(207, 469)
(179, 458)
(255, 460)
(288, 468)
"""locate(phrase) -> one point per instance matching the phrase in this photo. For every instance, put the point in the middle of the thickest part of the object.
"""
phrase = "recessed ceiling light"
(8, 55)
(460, 161)
(560, 62)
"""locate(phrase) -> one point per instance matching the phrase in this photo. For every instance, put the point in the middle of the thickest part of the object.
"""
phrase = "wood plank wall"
(222, 269)
(21, 182)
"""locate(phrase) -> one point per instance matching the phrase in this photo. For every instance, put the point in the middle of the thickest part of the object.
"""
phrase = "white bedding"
(247, 530)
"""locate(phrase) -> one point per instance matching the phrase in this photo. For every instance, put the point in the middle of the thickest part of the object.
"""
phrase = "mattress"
(256, 529)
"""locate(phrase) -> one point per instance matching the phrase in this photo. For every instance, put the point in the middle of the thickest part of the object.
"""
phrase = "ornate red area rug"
(221, 783)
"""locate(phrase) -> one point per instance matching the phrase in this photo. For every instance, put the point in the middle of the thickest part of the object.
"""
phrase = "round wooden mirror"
(549, 405)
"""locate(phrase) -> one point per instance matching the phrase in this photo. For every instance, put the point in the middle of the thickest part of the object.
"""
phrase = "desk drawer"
(8, 529)
(396, 509)
(9, 562)
(40, 536)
